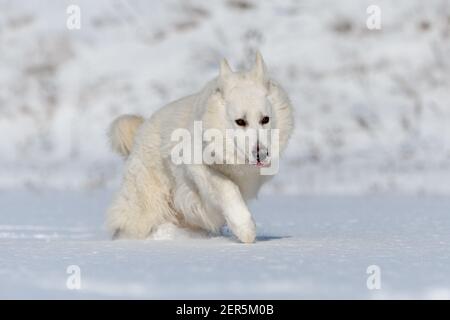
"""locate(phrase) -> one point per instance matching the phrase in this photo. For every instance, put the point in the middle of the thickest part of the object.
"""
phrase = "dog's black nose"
(260, 153)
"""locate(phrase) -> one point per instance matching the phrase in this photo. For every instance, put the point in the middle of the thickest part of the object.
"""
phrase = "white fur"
(155, 191)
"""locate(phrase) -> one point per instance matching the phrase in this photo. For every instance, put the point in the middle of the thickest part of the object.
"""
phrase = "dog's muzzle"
(260, 153)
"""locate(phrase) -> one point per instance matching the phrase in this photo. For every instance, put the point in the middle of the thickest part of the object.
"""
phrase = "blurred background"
(372, 107)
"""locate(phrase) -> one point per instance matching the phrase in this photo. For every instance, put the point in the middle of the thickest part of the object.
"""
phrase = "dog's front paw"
(245, 232)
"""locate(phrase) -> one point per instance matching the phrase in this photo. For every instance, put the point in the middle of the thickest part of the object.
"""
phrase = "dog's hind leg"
(141, 205)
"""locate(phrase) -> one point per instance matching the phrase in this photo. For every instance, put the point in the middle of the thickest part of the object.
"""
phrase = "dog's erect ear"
(259, 71)
(225, 69)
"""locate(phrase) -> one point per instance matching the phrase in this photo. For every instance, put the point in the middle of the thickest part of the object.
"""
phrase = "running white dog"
(157, 191)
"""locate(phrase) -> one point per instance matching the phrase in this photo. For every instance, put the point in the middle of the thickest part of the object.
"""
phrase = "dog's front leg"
(220, 192)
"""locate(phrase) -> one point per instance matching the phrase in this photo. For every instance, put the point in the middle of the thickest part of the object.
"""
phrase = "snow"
(307, 247)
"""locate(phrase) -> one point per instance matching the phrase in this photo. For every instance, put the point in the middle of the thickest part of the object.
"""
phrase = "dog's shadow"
(259, 238)
(271, 238)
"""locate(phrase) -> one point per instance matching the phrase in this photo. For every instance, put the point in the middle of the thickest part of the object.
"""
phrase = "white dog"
(157, 191)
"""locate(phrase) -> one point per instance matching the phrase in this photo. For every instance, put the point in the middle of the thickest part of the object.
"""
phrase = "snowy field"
(307, 247)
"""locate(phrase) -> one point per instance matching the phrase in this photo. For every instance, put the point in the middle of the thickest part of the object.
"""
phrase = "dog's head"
(248, 107)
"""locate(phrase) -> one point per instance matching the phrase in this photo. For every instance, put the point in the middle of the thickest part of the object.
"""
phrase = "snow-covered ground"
(308, 247)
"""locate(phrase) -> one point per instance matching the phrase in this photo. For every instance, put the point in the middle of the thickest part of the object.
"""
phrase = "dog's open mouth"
(260, 164)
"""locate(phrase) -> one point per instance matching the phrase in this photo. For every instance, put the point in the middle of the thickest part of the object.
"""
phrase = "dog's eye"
(241, 122)
(265, 120)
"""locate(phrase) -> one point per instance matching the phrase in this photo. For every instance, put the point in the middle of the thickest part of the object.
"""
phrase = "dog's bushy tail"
(122, 131)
